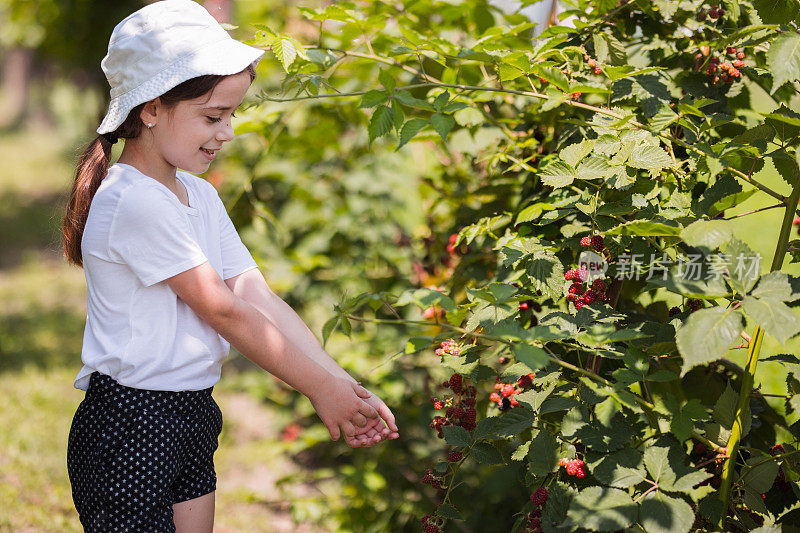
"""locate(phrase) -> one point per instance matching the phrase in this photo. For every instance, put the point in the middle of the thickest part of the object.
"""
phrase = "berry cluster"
(714, 13)
(432, 523)
(595, 241)
(504, 398)
(580, 295)
(449, 347)
(539, 498)
(692, 303)
(459, 407)
(593, 64)
(720, 70)
(574, 467)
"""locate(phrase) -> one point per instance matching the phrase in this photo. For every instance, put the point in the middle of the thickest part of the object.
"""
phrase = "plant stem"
(748, 377)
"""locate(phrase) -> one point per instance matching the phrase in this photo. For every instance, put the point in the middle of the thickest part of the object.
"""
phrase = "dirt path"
(248, 466)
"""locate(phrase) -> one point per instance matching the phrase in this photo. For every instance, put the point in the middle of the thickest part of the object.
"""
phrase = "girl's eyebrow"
(219, 108)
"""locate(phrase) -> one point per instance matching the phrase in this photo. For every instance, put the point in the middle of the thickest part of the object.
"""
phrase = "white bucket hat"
(162, 45)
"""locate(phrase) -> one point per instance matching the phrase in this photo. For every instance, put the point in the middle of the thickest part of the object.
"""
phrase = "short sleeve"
(152, 236)
(236, 258)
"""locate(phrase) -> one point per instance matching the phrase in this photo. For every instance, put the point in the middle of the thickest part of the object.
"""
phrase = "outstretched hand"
(375, 430)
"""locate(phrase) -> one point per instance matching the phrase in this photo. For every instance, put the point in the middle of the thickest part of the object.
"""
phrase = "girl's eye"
(217, 119)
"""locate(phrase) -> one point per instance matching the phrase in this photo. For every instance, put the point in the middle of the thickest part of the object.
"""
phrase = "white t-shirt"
(138, 234)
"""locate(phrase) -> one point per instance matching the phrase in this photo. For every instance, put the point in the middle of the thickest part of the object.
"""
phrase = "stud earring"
(149, 124)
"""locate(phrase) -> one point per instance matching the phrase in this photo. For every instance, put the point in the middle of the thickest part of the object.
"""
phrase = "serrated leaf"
(327, 329)
(456, 436)
(543, 454)
(485, 453)
(777, 319)
(783, 59)
(775, 286)
(744, 265)
(725, 411)
(622, 469)
(410, 129)
(777, 11)
(514, 421)
(532, 356)
(665, 461)
(601, 509)
(381, 122)
(557, 174)
(373, 98)
(575, 153)
(706, 335)
(760, 475)
(284, 50)
(468, 116)
(442, 124)
(448, 511)
(521, 452)
(663, 513)
(593, 167)
(646, 228)
(649, 158)
(708, 233)
(386, 80)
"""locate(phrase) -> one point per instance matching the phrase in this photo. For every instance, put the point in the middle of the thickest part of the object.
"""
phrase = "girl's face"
(195, 130)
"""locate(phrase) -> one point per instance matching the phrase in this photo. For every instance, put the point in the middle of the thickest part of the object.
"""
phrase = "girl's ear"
(150, 111)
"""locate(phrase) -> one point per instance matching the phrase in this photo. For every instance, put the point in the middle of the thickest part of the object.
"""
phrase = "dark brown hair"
(96, 157)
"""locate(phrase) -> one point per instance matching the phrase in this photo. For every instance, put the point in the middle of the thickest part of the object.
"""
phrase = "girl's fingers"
(367, 410)
(361, 391)
(360, 420)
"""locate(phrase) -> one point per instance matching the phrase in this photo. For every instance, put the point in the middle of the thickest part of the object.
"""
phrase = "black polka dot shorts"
(132, 453)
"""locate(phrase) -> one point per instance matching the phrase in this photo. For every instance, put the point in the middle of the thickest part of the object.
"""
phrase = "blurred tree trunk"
(220, 9)
(16, 79)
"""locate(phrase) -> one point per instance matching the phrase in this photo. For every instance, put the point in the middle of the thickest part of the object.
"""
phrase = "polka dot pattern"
(132, 453)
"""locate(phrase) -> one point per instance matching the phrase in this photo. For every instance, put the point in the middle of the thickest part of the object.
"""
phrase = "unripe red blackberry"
(730, 50)
(455, 457)
(586, 241)
(740, 55)
(494, 397)
(526, 380)
(507, 390)
(575, 288)
(523, 306)
(573, 274)
(738, 63)
(579, 303)
(589, 297)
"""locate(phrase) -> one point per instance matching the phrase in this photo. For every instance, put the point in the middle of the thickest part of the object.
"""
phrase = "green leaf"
(469, 116)
(622, 469)
(373, 98)
(410, 129)
(708, 233)
(649, 158)
(521, 452)
(543, 454)
(744, 265)
(514, 421)
(707, 335)
(533, 356)
(725, 411)
(575, 153)
(485, 453)
(448, 511)
(659, 512)
(777, 11)
(381, 122)
(774, 286)
(442, 124)
(386, 80)
(284, 50)
(557, 174)
(601, 509)
(600, 47)
(554, 76)
(783, 59)
(665, 461)
(761, 474)
(646, 228)
(778, 319)
(328, 328)
(456, 436)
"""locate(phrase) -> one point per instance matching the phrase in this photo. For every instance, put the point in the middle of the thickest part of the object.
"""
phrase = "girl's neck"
(160, 171)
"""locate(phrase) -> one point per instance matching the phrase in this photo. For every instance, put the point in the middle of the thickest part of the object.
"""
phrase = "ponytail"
(92, 168)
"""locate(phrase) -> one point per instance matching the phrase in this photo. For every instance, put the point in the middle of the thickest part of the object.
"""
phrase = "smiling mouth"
(209, 152)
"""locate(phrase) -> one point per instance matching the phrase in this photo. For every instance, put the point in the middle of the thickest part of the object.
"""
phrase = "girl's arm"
(251, 287)
(337, 401)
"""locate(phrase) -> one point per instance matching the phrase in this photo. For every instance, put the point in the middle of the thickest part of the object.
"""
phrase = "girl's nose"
(225, 133)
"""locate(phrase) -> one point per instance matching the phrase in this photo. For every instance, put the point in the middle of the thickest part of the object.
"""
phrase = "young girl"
(171, 286)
